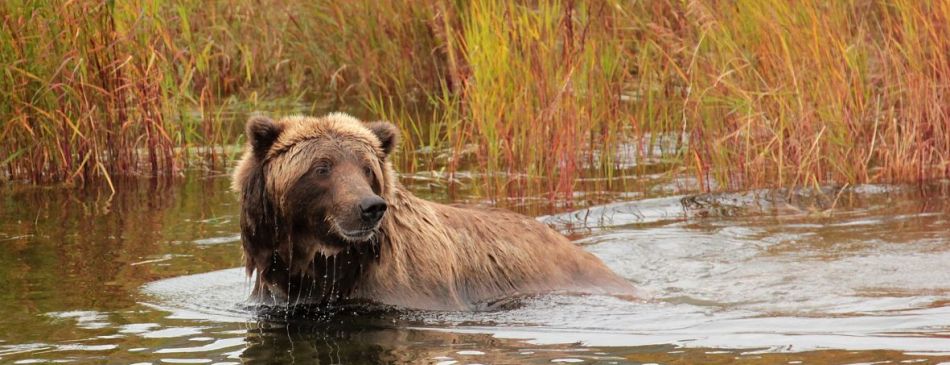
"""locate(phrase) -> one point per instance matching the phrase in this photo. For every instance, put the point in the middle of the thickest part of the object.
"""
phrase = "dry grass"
(749, 94)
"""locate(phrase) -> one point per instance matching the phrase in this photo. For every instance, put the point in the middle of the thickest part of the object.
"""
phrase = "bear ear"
(261, 132)
(387, 133)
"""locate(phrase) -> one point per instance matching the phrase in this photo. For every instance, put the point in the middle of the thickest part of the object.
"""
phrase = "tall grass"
(848, 92)
(90, 89)
(537, 95)
(76, 102)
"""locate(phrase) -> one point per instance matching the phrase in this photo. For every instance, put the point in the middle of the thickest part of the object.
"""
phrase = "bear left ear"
(261, 133)
(387, 133)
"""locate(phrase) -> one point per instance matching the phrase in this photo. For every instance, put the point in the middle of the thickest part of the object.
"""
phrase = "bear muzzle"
(372, 209)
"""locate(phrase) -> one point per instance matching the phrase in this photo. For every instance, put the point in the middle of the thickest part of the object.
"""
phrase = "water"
(148, 275)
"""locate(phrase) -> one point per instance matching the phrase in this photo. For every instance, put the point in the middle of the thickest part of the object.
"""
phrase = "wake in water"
(863, 268)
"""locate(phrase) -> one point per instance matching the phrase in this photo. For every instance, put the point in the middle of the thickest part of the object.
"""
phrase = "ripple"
(218, 240)
(173, 332)
(214, 346)
(187, 361)
(774, 272)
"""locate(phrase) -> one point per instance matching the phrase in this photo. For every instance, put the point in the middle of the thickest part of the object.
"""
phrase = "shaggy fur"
(298, 183)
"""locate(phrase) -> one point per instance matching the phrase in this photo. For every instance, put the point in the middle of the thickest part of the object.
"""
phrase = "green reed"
(540, 97)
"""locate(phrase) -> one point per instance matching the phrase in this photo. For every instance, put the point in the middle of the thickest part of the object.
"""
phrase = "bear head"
(311, 186)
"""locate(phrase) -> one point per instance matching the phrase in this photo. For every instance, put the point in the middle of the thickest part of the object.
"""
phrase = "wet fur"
(423, 255)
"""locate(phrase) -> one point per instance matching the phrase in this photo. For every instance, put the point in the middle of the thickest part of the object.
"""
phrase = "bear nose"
(372, 209)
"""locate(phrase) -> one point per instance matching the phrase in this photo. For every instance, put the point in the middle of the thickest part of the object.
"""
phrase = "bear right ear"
(261, 132)
(387, 133)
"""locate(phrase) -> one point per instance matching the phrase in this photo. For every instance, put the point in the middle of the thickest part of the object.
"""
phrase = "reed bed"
(540, 96)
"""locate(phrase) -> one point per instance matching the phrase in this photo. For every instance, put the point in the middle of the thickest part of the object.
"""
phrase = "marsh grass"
(74, 104)
(541, 96)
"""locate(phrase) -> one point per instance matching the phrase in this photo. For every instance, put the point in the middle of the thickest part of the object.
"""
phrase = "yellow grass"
(761, 93)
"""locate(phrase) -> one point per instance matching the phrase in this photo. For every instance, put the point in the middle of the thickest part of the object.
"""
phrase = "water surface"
(148, 275)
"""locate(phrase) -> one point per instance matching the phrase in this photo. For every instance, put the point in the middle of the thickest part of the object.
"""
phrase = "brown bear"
(324, 218)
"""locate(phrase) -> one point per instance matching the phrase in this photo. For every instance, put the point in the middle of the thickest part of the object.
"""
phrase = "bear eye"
(368, 171)
(322, 170)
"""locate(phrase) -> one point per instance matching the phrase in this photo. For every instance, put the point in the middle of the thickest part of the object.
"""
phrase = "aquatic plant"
(539, 96)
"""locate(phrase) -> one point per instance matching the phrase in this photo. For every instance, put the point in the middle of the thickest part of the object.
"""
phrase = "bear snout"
(372, 209)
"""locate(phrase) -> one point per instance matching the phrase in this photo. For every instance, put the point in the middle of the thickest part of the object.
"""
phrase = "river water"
(148, 275)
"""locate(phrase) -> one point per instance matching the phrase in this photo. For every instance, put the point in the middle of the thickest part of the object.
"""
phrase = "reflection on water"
(146, 276)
